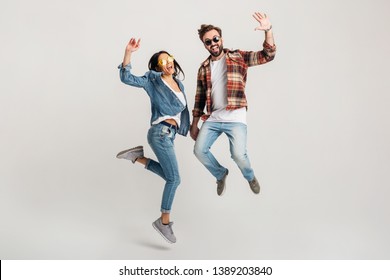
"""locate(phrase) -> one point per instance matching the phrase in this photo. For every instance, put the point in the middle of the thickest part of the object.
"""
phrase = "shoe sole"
(129, 150)
(163, 236)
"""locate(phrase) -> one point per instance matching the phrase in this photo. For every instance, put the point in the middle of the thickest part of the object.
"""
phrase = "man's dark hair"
(204, 28)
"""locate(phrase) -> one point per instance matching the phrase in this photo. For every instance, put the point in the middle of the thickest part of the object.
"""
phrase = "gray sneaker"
(221, 184)
(132, 154)
(165, 230)
(254, 185)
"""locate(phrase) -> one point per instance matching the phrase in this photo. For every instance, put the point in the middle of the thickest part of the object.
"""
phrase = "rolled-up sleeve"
(267, 54)
(269, 51)
(128, 78)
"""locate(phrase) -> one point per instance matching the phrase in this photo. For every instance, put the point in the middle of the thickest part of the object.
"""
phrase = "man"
(221, 89)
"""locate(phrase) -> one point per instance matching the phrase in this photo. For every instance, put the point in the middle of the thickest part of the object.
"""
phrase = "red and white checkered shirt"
(237, 63)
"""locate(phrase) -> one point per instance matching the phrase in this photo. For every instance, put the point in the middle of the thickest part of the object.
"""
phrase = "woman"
(169, 116)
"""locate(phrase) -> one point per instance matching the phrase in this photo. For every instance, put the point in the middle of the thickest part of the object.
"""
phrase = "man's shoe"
(132, 154)
(221, 184)
(254, 185)
(165, 230)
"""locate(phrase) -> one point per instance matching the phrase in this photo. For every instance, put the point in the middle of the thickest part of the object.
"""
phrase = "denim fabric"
(237, 134)
(161, 140)
(163, 101)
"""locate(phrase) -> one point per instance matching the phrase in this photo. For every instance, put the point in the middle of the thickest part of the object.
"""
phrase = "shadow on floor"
(153, 245)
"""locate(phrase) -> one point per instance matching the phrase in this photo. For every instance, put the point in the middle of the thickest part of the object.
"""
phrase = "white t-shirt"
(219, 95)
(182, 99)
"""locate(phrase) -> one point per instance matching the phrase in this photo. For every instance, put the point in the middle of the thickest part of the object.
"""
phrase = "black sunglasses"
(215, 39)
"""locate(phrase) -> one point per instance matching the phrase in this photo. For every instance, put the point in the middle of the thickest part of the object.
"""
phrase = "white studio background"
(318, 133)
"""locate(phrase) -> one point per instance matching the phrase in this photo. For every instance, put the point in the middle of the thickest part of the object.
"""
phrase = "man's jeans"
(236, 132)
(161, 140)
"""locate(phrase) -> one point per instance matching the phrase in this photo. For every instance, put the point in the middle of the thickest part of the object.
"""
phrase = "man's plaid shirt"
(237, 63)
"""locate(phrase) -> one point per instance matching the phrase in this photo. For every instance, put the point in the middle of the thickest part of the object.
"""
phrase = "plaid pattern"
(237, 62)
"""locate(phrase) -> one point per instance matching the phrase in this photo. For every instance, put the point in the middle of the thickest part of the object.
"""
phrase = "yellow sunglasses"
(164, 62)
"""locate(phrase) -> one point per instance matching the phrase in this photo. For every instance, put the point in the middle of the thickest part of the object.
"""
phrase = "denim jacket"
(163, 101)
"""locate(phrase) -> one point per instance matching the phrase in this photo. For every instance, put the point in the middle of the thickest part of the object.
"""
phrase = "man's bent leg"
(237, 134)
(208, 133)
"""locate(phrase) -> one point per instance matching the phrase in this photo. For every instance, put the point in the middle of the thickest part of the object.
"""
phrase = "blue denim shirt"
(164, 102)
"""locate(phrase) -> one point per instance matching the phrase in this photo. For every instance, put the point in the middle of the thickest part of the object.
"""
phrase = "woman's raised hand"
(133, 45)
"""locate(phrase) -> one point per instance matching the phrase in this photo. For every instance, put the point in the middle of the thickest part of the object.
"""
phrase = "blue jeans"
(161, 140)
(236, 132)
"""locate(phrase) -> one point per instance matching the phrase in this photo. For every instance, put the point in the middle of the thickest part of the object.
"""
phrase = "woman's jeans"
(236, 133)
(161, 140)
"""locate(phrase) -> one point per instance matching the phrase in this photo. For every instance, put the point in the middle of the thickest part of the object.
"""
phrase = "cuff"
(268, 46)
(197, 113)
(128, 66)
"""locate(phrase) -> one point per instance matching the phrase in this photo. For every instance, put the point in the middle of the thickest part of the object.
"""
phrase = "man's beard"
(219, 51)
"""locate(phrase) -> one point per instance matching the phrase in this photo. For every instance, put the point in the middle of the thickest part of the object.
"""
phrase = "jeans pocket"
(165, 131)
